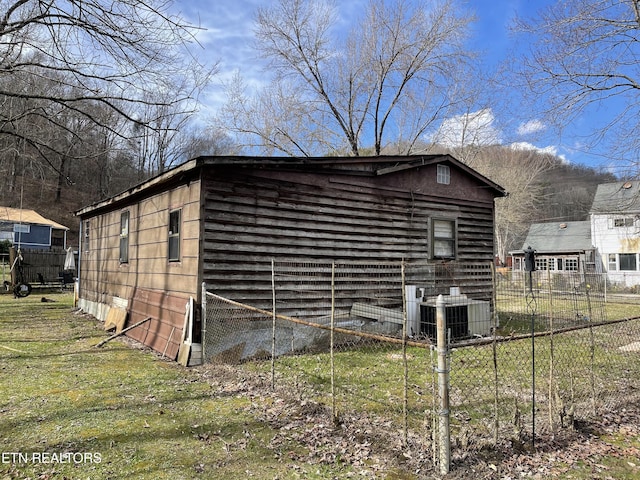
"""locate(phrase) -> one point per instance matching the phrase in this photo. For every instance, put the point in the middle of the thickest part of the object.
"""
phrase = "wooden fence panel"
(42, 265)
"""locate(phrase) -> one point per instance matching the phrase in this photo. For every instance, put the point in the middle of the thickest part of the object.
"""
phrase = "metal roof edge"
(157, 180)
(410, 161)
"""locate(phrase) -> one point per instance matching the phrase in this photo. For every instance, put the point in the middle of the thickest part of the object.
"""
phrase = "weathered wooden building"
(222, 220)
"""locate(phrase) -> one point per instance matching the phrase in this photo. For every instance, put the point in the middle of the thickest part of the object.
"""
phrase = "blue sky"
(228, 37)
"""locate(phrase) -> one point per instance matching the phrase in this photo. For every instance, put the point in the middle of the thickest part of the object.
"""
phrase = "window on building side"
(444, 174)
(124, 237)
(571, 264)
(628, 261)
(623, 222)
(444, 239)
(542, 263)
(612, 264)
(85, 235)
(174, 236)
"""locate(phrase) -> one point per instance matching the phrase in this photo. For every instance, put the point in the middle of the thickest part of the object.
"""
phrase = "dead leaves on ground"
(370, 447)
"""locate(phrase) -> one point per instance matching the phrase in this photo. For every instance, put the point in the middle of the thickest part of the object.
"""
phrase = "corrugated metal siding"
(164, 331)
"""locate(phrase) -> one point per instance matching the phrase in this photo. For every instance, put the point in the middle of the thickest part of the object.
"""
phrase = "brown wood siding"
(236, 218)
(148, 274)
(253, 218)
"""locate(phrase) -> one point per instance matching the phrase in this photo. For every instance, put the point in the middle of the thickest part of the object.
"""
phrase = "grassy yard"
(123, 413)
(69, 410)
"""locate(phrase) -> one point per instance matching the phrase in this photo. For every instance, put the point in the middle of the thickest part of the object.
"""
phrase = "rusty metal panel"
(164, 332)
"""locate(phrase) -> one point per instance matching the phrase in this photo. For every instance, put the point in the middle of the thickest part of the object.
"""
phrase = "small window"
(628, 261)
(613, 265)
(542, 264)
(85, 235)
(20, 228)
(443, 174)
(571, 264)
(444, 239)
(623, 222)
(174, 236)
(124, 237)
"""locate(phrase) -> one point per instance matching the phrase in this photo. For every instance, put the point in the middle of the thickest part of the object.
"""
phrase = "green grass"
(141, 416)
(516, 311)
(145, 417)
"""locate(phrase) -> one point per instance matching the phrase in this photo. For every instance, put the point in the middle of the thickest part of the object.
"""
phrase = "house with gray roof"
(609, 242)
(561, 247)
(615, 231)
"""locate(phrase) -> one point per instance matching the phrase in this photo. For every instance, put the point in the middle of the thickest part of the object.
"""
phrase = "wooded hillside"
(541, 187)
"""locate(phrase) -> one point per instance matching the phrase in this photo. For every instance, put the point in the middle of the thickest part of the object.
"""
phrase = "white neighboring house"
(615, 231)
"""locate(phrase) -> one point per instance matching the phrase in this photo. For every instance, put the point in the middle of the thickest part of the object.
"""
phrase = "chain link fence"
(528, 353)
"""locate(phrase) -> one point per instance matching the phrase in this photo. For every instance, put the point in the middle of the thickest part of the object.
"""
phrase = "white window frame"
(124, 235)
(622, 222)
(570, 264)
(542, 263)
(635, 261)
(438, 240)
(443, 175)
(174, 237)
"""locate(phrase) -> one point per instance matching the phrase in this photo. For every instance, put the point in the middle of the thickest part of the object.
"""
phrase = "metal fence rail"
(534, 357)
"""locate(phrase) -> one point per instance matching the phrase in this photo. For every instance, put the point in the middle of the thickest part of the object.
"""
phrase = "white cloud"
(549, 150)
(475, 128)
(532, 126)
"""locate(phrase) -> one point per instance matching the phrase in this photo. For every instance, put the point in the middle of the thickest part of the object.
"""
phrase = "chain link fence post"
(334, 413)
(204, 322)
(273, 325)
(443, 386)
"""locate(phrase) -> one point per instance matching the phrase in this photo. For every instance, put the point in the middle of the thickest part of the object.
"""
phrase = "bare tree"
(520, 173)
(88, 53)
(587, 55)
(396, 74)
(208, 141)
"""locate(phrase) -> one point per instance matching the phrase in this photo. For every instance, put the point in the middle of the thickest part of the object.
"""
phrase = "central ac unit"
(464, 317)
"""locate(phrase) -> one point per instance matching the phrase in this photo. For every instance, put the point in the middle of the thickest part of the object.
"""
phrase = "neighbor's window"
(542, 264)
(571, 264)
(443, 174)
(628, 261)
(518, 264)
(20, 228)
(124, 237)
(623, 222)
(444, 238)
(174, 236)
(613, 265)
